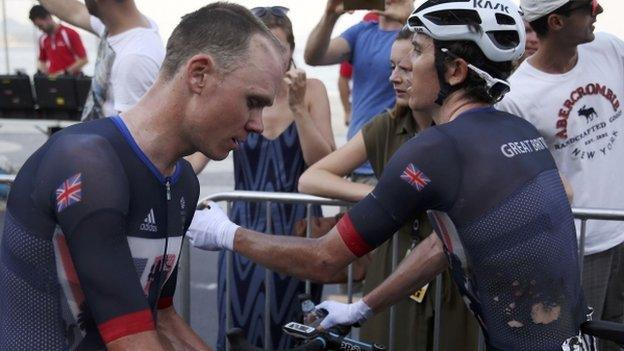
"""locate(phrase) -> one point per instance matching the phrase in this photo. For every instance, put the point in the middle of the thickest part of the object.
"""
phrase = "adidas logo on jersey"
(149, 223)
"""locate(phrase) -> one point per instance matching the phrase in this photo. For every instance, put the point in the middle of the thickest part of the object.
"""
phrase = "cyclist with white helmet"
(503, 222)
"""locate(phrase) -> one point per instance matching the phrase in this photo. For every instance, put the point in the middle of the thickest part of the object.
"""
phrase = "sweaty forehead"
(270, 51)
(263, 72)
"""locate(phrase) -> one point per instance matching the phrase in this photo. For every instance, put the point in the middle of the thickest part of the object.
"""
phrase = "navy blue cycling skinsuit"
(91, 241)
(498, 204)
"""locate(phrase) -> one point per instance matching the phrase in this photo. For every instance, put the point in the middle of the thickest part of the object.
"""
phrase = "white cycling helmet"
(500, 32)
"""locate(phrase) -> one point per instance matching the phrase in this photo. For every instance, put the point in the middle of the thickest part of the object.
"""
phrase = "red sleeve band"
(165, 302)
(129, 324)
(351, 237)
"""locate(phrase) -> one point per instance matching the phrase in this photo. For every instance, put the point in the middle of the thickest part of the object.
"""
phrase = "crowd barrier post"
(267, 286)
(229, 271)
(308, 284)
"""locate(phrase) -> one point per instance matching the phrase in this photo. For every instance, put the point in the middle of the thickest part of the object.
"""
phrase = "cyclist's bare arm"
(70, 11)
(315, 259)
(422, 265)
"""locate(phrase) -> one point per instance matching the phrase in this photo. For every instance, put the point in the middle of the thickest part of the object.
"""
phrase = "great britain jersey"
(91, 242)
(497, 203)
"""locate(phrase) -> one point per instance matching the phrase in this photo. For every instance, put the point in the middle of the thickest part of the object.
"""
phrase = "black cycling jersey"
(498, 204)
(92, 237)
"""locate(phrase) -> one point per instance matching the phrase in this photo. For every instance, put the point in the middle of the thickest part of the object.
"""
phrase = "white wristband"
(228, 232)
(363, 310)
(211, 229)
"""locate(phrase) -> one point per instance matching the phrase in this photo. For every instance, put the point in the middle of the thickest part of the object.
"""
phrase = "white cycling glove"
(344, 314)
(211, 229)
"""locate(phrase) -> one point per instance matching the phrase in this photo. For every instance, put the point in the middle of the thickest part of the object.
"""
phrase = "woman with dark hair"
(297, 133)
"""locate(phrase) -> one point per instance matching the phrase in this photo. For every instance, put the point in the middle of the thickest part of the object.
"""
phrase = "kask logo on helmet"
(489, 5)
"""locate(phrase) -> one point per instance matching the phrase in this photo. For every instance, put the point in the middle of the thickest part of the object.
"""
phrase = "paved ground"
(17, 142)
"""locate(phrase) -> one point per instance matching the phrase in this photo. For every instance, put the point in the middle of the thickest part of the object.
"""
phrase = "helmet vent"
(504, 19)
(430, 3)
(505, 39)
(414, 22)
(454, 17)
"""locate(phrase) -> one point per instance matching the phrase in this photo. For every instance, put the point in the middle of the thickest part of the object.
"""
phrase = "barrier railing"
(582, 214)
(7, 179)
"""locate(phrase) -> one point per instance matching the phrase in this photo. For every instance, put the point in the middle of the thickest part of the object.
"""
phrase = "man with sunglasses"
(367, 46)
(570, 89)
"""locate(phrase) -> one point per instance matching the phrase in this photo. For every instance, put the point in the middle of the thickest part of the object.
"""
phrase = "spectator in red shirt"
(60, 47)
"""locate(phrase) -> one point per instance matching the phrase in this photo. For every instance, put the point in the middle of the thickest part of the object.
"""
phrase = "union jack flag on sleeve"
(69, 192)
(415, 177)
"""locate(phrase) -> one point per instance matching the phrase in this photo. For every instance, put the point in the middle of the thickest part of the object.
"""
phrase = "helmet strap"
(445, 88)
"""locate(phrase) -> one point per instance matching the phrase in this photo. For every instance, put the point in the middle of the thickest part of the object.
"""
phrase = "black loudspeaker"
(16, 97)
(61, 97)
(56, 94)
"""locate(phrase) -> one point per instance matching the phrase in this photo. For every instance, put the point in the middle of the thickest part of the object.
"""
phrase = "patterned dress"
(262, 164)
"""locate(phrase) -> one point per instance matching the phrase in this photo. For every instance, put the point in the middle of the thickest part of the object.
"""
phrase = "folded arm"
(327, 176)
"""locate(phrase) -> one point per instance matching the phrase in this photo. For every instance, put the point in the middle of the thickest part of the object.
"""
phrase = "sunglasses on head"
(589, 6)
(497, 88)
(278, 11)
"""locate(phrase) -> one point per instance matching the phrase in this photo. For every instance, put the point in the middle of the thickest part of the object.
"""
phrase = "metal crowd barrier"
(582, 214)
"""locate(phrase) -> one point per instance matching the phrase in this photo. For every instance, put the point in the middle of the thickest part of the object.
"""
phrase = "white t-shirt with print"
(579, 113)
(139, 52)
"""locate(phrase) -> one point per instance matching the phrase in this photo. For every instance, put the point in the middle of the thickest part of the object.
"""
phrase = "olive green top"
(384, 135)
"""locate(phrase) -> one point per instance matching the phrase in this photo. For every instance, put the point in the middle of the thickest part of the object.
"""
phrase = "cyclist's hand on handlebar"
(211, 229)
(344, 314)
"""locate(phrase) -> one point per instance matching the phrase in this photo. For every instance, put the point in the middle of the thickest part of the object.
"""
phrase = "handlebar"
(320, 342)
